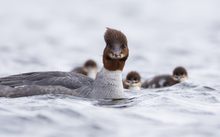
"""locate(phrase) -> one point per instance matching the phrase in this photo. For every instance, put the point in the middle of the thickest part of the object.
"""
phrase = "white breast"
(92, 73)
(135, 88)
(108, 84)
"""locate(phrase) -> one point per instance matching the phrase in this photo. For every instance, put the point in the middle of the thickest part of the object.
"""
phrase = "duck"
(107, 84)
(179, 75)
(88, 69)
(132, 81)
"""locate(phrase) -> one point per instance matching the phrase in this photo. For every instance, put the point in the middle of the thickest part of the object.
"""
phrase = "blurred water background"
(42, 35)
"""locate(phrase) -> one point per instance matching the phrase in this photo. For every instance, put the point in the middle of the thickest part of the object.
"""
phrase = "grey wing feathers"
(32, 90)
(84, 91)
(65, 79)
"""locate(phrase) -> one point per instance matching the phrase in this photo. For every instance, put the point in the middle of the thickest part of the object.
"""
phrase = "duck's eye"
(129, 81)
(109, 46)
(123, 46)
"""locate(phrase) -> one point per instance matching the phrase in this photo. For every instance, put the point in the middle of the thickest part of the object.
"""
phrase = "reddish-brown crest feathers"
(112, 35)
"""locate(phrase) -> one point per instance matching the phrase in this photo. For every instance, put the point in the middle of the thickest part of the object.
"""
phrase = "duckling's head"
(133, 80)
(116, 51)
(180, 74)
(91, 68)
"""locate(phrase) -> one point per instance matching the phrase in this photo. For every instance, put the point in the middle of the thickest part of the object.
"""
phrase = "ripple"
(118, 103)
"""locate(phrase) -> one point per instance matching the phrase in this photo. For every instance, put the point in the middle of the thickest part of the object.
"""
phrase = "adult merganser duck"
(89, 69)
(179, 75)
(108, 83)
(132, 81)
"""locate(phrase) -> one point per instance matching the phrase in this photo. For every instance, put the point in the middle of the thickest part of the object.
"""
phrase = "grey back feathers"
(40, 83)
(65, 79)
(107, 85)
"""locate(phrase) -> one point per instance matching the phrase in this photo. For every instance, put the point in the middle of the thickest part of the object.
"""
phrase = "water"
(57, 35)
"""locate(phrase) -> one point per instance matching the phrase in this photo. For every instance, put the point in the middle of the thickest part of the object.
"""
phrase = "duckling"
(179, 75)
(132, 81)
(89, 69)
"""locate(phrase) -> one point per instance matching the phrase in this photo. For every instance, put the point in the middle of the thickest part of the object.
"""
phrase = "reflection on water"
(117, 103)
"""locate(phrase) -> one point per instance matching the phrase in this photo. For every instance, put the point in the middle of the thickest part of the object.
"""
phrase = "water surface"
(57, 35)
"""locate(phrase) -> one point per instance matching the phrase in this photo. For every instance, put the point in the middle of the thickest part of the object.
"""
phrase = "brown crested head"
(116, 51)
(180, 73)
(133, 77)
(90, 64)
